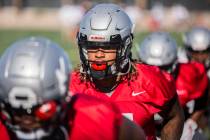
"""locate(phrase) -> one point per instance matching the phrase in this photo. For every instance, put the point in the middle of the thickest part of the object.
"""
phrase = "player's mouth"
(99, 65)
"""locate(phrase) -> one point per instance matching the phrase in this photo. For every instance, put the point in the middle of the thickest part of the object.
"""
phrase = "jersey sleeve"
(76, 85)
(160, 87)
(94, 119)
(191, 82)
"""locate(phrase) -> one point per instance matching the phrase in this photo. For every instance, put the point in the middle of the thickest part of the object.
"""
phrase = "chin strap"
(101, 70)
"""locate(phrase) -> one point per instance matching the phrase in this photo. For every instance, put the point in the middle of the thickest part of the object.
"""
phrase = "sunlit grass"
(7, 37)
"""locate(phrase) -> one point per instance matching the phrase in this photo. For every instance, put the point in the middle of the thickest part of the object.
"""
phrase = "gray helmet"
(158, 49)
(198, 39)
(33, 71)
(105, 26)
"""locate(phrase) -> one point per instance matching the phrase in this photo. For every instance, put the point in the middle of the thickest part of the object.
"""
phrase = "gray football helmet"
(198, 39)
(106, 26)
(33, 81)
(158, 49)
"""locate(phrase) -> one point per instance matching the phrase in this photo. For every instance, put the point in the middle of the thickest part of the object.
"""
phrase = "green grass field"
(7, 37)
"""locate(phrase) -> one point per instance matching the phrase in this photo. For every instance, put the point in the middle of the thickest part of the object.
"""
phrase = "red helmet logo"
(46, 111)
(96, 38)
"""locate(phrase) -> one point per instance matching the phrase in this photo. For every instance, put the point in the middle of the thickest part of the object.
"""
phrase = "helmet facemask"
(200, 56)
(102, 70)
(33, 123)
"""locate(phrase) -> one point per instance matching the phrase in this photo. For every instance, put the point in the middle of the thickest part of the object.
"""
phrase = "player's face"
(27, 123)
(100, 55)
(200, 56)
(36, 117)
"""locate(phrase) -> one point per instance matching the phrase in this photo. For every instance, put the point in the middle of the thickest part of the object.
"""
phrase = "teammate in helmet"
(35, 104)
(197, 44)
(108, 71)
(197, 47)
(160, 49)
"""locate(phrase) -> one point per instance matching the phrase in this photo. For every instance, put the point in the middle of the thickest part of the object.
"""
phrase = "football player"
(35, 104)
(191, 81)
(108, 71)
(197, 45)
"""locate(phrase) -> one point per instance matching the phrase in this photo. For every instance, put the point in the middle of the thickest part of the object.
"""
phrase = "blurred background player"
(197, 47)
(35, 104)
(108, 71)
(160, 49)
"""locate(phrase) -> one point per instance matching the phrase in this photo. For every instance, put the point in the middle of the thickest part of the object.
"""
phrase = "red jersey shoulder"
(94, 119)
(191, 71)
(75, 84)
(155, 79)
(84, 102)
(152, 73)
(191, 81)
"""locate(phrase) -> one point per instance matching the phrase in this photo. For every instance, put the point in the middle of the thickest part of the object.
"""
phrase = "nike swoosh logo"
(137, 93)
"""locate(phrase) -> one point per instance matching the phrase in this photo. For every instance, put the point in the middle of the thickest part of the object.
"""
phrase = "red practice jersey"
(191, 81)
(89, 119)
(3, 132)
(138, 99)
(94, 119)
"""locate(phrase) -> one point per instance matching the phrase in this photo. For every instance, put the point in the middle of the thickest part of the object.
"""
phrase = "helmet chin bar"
(105, 71)
(99, 66)
(101, 70)
(47, 126)
(109, 72)
(33, 135)
(39, 134)
(122, 63)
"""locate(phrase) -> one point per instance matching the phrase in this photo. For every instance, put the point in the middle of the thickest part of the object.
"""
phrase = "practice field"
(7, 37)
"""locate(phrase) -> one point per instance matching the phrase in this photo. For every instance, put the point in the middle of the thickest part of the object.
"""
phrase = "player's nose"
(100, 54)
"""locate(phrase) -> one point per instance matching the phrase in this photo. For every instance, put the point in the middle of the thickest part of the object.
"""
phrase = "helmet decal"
(61, 76)
(96, 38)
(46, 111)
